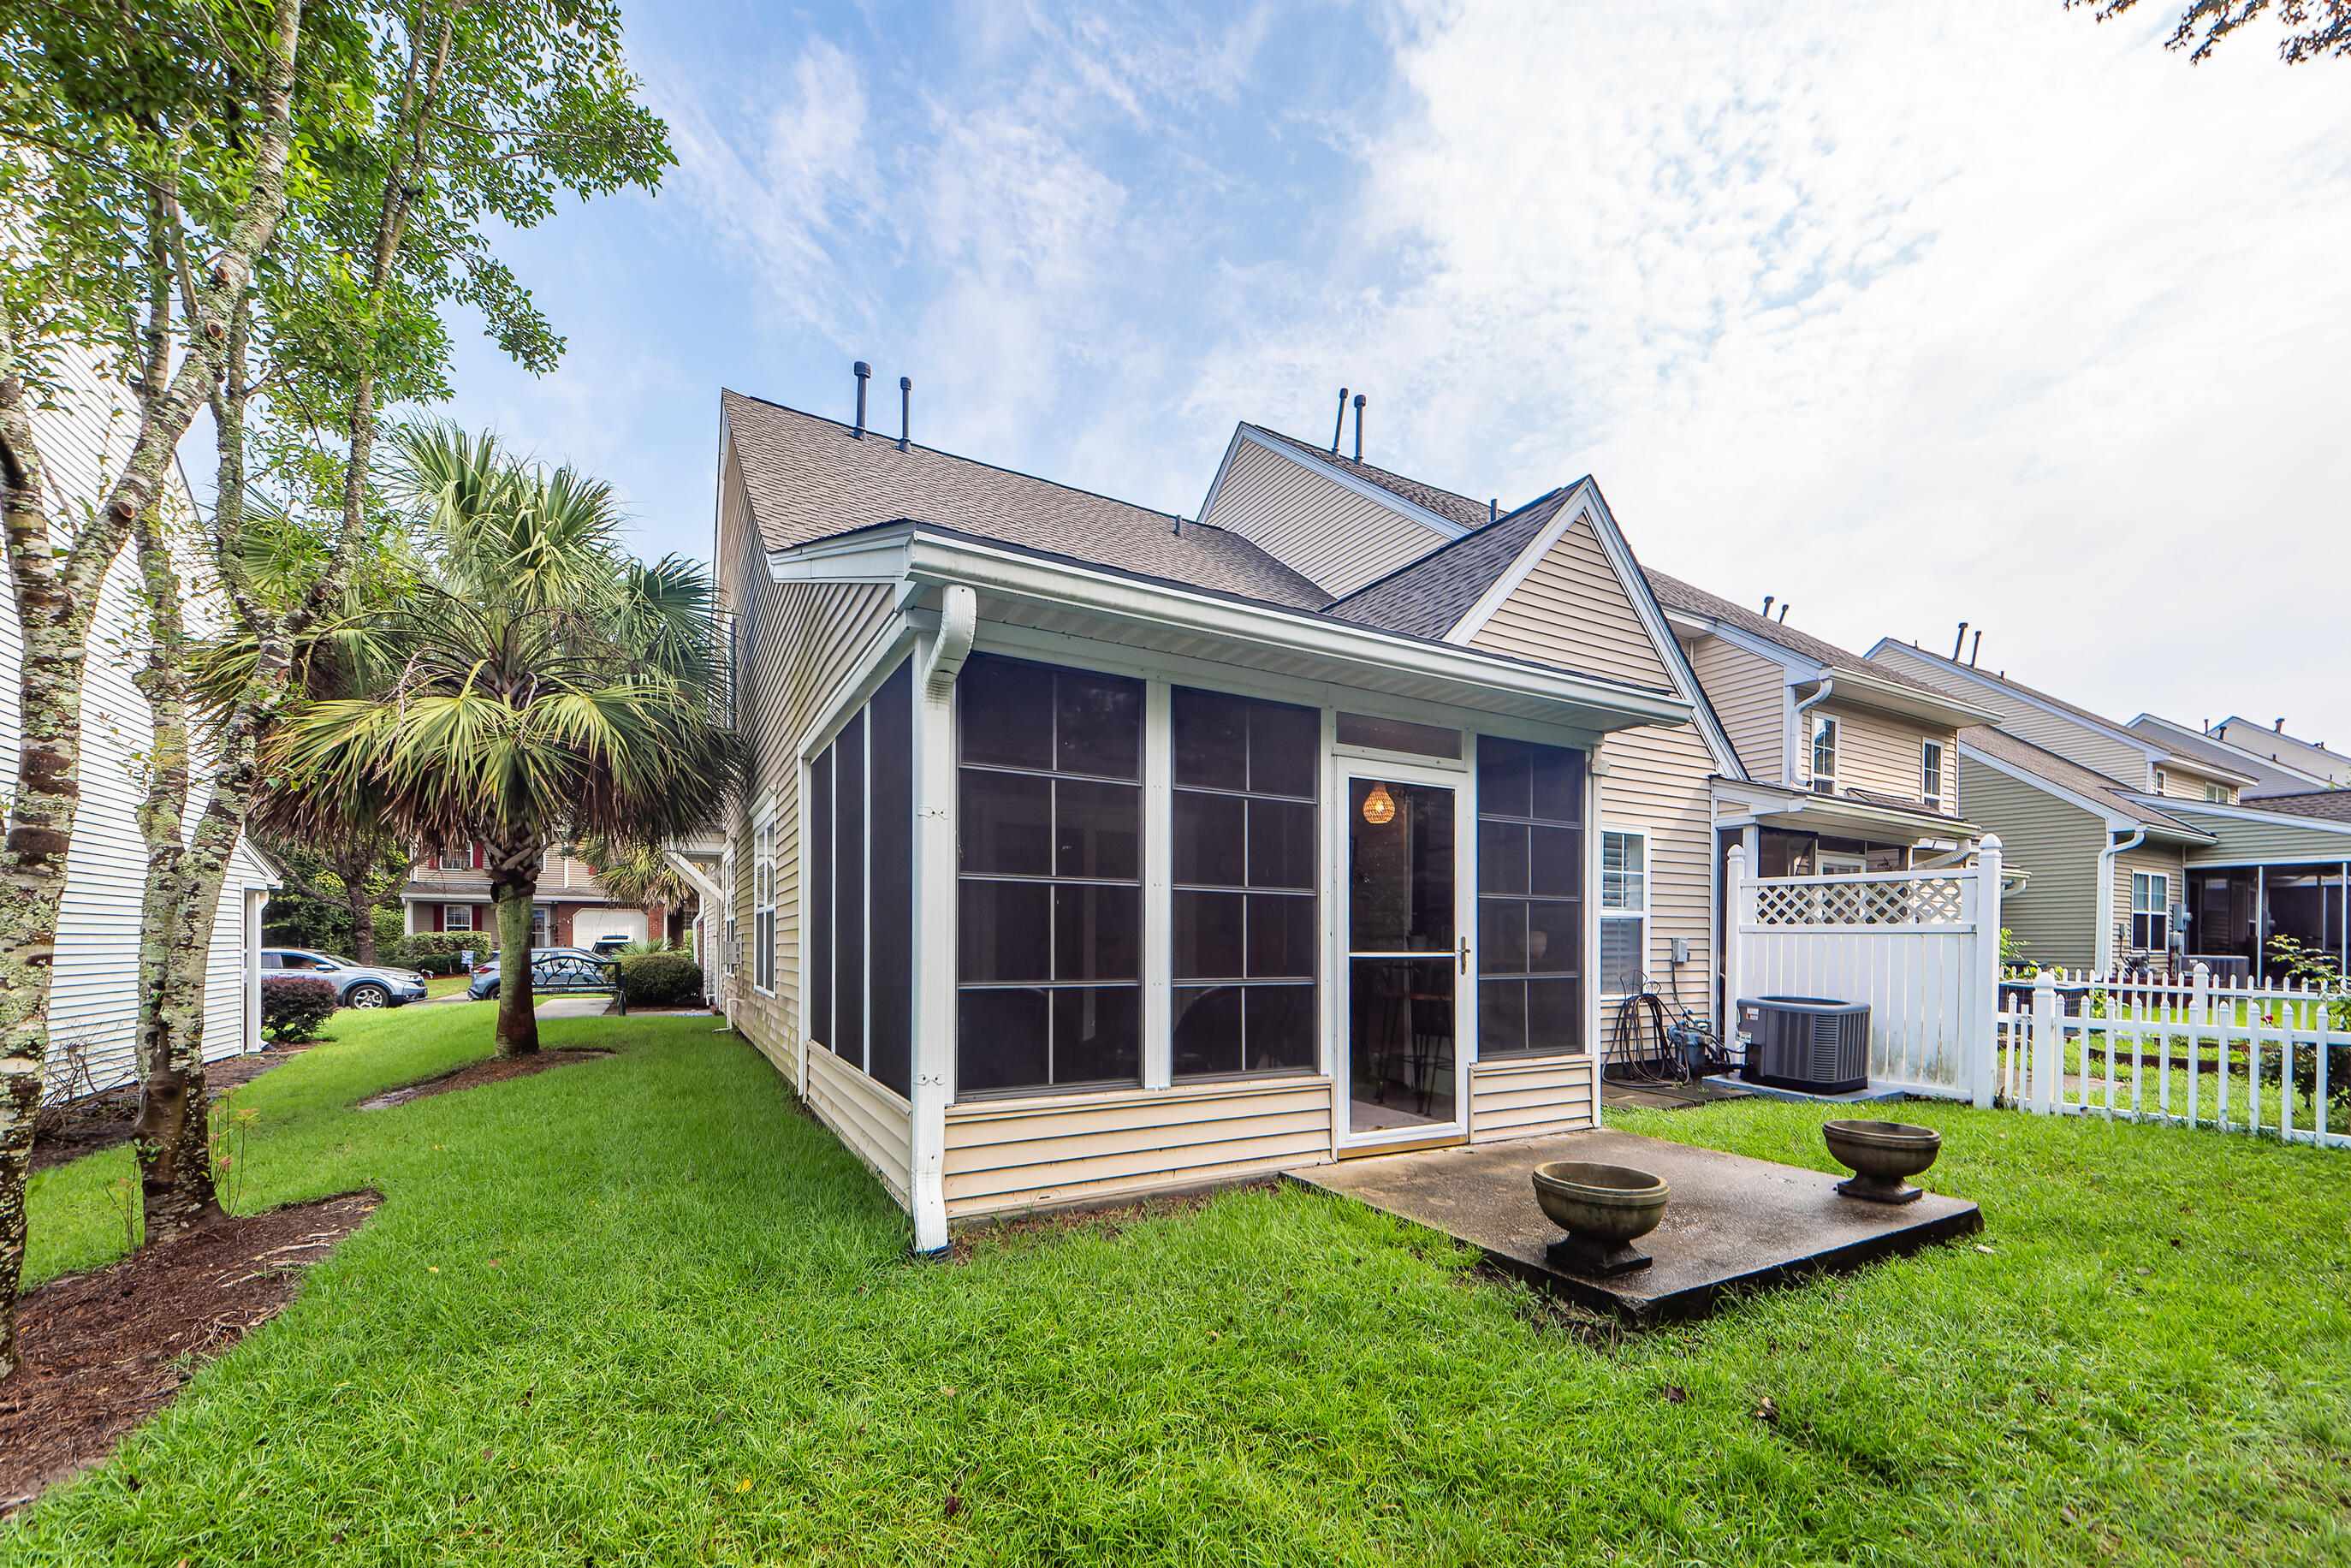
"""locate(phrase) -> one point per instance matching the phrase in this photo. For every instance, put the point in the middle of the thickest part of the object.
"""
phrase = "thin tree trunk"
(363, 908)
(54, 602)
(173, 1133)
(514, 889)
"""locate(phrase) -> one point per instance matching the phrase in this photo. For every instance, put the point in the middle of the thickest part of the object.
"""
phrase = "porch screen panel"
(1049, 877)
(861, 887)
(889, 829)
(1243, 919)
(1529, 898)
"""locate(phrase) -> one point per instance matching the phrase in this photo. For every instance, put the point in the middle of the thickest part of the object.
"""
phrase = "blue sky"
(1965, 309)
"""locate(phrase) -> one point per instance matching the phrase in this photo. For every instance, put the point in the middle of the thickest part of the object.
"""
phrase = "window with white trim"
(1624, 911)
(2150, 911)
(1930, 774)
(1825, 754)
(2216, 794)
(456, 917)
(763, 903)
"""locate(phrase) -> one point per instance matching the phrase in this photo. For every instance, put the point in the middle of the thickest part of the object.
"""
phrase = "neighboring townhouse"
(93, 995)
(452, 893)
(2143, 849)
(2267, 776)
(1850, 766)
(1089, 851)
(2310, 758)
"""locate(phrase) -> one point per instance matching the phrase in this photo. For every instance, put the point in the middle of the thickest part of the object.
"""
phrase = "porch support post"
(933, 1083)
(1738, 904)
(1979, 1005)
(1158, 869)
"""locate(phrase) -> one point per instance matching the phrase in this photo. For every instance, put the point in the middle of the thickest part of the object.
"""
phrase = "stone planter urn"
(1604, 1210)
(1881, 1154)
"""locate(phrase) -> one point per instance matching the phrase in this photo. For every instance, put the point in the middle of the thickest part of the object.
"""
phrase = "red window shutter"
(478, 854)
(438, 913)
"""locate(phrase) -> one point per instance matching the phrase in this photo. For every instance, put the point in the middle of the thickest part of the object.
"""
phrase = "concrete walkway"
(589, 1005)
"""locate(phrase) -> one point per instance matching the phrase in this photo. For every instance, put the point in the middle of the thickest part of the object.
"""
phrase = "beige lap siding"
(2028, 721)
(1525, 1099)
(876, 1123)
(1571, 611)
(1750, 697)
(1027, 1153)
(1312, 523)
(1658, 784)
(2055, 843)
(1880, 752)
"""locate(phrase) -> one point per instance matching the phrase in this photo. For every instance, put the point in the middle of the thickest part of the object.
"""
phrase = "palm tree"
(537, 687)
(638, 874)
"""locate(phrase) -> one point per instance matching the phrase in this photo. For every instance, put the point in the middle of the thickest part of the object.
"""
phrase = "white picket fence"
(1922, 949)
(2242, 1057)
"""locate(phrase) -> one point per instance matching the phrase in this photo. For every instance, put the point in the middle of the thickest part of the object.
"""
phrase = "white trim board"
(1322, 466)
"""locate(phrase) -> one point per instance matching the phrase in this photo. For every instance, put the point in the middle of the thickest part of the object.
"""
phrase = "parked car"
(356, 984)
(551, 970)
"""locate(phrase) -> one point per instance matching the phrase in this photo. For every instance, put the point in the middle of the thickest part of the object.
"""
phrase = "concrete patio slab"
(592, 1005)
(1733, 1224)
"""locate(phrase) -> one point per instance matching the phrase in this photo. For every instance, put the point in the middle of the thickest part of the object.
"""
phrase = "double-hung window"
(1049, 877)
(2162, 782)
(763, 903)
(2150, 911)
(1530, 849)
(1243, 923)
(1623, 912)
(1825, 754)
(2216, 794)
(1930, 774)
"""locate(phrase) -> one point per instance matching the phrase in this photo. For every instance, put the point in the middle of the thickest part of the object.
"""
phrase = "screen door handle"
(1465, 954)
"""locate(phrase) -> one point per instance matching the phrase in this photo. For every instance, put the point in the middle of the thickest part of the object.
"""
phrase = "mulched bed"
(67, 1131)
(496, 1070)
(103, 1352)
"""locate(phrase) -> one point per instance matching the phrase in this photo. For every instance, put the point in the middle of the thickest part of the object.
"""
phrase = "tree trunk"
(514, 889)
(173, 1136)
(355, 867)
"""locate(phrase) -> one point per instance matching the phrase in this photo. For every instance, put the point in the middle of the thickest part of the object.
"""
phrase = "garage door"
(590, 924)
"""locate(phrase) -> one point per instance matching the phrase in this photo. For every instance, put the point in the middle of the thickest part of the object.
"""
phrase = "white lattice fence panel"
(1894, 901)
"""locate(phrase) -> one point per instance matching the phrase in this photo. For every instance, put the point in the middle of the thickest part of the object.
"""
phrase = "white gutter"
(2105, 951)
(972, 565)
(959, 624)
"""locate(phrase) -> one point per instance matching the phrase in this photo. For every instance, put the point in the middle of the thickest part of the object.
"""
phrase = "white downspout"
(933, 1075)
(2105, 948)
(1800, 740)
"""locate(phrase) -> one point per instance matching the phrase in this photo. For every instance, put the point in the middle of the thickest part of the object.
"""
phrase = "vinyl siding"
(93, 1003)
(2185, 783)
(1880, 751)
(1657, 783)
(2058, 844)
(2278, 841)
(1750, 697)
(2168, 859)
(876, 1125)
(1021, 1154)
(804, 641)
(1528, 1098)
(1313, 524)
(2067, 738)
(1573, 611)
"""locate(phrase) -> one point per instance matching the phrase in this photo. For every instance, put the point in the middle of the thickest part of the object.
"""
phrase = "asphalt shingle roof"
(1428, 597)
(2331, 805)
(1676, 594)
(2070, 775)
(1453, 508)
(808, 479)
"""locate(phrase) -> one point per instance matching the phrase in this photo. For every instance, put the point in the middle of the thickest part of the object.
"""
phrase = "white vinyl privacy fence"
(1921, 947)
(2238, 1057)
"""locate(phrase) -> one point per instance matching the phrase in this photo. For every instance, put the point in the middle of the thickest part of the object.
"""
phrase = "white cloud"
(1904, 317)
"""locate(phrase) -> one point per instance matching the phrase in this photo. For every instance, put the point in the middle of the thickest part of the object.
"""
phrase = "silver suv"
(356, 984)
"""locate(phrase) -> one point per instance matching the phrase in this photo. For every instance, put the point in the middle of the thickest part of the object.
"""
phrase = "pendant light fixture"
(1379, 806)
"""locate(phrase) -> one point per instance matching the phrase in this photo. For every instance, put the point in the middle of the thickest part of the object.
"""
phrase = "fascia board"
(859, 557)
(1498, 593)
(1891, 697)
(2246, 814)
(1800, 667)
(1770, 799)
(2114, 819)
(943, 561)
(1445, 526)
(1217, 485)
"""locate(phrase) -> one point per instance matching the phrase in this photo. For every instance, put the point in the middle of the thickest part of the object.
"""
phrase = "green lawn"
(439, 986)
(701, 1341)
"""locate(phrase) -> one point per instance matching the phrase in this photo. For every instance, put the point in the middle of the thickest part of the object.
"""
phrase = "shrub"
(294, 1005)
(660, 979)
(436, 951)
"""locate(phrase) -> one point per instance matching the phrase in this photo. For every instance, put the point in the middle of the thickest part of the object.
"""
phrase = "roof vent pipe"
(862, 371)
(1339, 425)
(1493, 509)
(1769, 600)
(1974, 648)
(1784, 612)
(1360, 400)
(2279, 727)
(1958, 642)
(906, 409)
